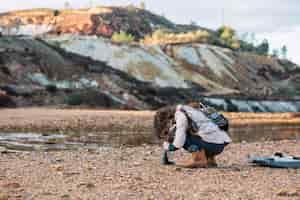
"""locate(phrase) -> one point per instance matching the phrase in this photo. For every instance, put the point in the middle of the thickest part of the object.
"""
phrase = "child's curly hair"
(163, 120)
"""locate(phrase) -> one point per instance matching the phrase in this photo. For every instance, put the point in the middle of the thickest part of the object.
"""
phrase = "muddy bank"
(135, 173)
(100, 127)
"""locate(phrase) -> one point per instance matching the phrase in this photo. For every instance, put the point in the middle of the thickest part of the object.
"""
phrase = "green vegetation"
(228, 37)
(122, 37)
(263, 48)
(162, 36)
(247, 47)
(250, 44)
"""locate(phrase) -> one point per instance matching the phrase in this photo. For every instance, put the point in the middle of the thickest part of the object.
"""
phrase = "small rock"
(244, 142)
(65, 197)
(69, 174)
(12, 185)
(178, 169)
(90, 185)
(288, 193)
(136, 163)
(149, 153)
(48, 193)
(58, 168)
(87, 185)
(59, 160)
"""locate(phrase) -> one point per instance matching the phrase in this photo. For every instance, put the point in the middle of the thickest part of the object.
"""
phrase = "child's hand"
(166, 146)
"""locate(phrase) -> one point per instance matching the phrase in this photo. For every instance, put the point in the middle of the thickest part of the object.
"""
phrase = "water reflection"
(41, 142)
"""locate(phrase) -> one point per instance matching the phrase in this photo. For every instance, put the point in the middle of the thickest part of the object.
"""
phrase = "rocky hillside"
(73, 61)
(218, 71)
(33, 72)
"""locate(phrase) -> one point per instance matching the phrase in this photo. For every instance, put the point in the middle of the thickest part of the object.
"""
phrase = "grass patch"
(161, 36)
(122, 37)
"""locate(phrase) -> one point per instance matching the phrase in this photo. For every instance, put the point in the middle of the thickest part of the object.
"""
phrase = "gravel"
(136, 173)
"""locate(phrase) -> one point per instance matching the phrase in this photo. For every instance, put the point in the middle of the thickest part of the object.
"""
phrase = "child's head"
(163, 121)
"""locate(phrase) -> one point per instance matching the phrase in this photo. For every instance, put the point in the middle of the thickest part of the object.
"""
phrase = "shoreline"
(136, 127)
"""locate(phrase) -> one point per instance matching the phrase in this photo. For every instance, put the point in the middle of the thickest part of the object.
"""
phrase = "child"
(204, 143)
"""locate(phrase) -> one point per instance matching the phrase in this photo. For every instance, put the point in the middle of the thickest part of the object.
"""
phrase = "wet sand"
(135, 173)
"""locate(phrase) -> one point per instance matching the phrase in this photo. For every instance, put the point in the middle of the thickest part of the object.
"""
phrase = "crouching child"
(192, 128)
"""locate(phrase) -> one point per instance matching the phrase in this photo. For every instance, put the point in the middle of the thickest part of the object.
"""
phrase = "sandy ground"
(135, 173)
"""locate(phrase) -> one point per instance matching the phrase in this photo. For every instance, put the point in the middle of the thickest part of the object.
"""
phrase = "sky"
(276, 20)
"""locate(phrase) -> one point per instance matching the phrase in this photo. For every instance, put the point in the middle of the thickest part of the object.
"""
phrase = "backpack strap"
(192, 126)
(202, 105)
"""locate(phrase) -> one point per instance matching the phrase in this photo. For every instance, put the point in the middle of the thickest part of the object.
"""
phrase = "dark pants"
(194, 143)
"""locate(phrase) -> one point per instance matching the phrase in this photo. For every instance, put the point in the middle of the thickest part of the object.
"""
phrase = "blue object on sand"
(277, 161)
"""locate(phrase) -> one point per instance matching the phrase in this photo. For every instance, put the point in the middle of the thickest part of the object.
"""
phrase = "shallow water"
(254, 106)
(42, 142)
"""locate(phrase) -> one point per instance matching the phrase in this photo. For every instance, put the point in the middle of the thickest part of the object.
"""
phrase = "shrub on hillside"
(247, 47)
(161, 36)
(260, 49)
(263, 48)
(122, 37)
(226, 33)
(235, 44)
(228, 37)
(249, 43)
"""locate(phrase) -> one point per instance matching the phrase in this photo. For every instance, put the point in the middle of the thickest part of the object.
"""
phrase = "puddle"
(42, 142)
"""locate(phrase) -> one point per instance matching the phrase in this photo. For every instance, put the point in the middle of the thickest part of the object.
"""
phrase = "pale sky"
(276, 20)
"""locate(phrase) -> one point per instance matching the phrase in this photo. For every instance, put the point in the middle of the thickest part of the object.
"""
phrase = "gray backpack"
(216, 117)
